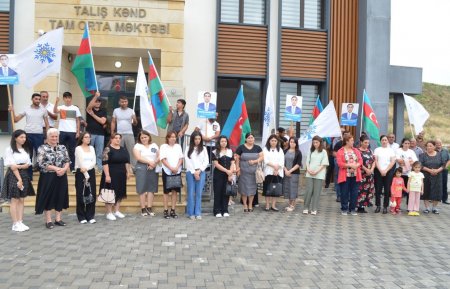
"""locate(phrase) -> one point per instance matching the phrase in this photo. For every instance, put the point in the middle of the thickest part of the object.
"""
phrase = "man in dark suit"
(207, 105)
(5, 70)
(293, 108)
(349, 117)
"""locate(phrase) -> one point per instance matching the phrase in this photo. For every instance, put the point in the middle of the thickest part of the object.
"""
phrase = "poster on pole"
(294, 107)
(8, 74)
(206, 107)
(349, 114)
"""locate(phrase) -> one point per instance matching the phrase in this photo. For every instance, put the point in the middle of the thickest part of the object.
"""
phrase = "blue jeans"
(36, 140)
(349, 194)
(194, 194)
(69, 140)
(336, 185)
(98, 142)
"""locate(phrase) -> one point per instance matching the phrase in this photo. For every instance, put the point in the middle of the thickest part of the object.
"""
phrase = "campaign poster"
(206, 107)
(8, 74)
(349, 114)
(293, 109)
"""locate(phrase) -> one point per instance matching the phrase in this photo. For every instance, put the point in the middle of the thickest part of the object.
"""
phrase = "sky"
(420, 37)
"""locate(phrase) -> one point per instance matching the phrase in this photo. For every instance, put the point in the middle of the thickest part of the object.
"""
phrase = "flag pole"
(10, 103)
(157, 75)
(92, 55)
(134, 100)
(362, 114)
(58, 85)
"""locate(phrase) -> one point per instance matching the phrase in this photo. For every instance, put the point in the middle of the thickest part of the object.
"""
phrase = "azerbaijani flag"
(158, 98)
(318, 108)
(237, 124)
(83, 66)
(370, 122)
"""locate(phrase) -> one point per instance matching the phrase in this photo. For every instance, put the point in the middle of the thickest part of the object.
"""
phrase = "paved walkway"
(251, 250)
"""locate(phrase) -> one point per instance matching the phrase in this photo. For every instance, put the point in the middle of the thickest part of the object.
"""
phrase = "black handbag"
(232, 189)
(173, 182)
(88, 197)
(274, 189)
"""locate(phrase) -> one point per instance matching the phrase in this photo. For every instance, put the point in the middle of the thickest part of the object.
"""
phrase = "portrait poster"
(206, 104)
(293, 110)
(8, 74)
(349, 114)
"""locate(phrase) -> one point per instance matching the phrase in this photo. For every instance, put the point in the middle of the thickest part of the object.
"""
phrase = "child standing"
(415, 189)
(397, 186)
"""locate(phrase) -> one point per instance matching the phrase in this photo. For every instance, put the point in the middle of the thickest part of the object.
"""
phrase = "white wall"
(23, 36)
(199, 52)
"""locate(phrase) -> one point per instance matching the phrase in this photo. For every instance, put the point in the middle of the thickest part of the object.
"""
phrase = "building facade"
(332, 49)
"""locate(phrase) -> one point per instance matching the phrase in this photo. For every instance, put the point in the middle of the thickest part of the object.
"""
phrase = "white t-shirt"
(384, 156)
(149, 153)
(49, 107)
(34, 119)
(68, 118)
(407, 156)
(124, 119)
(415, 181)
(84, 159)
(394, 146)
(14, 158)
(211, 129)
(172, 154)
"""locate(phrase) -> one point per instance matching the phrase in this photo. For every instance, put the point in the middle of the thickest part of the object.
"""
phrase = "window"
(302, 13)
(309, 93)
(243, 11)
(227, 90)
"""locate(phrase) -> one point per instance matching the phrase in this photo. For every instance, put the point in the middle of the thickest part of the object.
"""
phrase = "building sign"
(100, 13)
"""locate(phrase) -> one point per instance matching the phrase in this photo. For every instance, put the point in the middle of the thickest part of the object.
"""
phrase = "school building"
(333, 49)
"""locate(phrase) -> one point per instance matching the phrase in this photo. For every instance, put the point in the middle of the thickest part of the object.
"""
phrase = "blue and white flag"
(148, 119)
(325, 125)
(41, 58)
(269, 115)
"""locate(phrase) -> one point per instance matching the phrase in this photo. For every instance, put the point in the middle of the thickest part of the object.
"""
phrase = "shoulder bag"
(274, 189)
(107, 195)
(173, 182)
(88, 198)
(259, 174)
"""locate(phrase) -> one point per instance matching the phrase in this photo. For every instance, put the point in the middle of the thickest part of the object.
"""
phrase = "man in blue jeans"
(34, 116)
(96, 123)
(69, 125)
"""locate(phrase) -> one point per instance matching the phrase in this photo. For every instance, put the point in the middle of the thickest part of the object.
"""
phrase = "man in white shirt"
(69, 125)
(123, 119)
(210, 130)
(392, 144)
(49, 107)
(35, 115)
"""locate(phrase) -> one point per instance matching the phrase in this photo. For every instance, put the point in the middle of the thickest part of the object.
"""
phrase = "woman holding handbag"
(171, 157)
(85, 160)
(116, 172)
(224, 169)
(146, 154)
(196, 161)
(316, 168)
(273, 172)
(17, 184)
(292, 164)
(248, 156)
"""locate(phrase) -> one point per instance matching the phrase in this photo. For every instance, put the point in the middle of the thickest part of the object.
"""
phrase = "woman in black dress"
(17, 184)
(432, 166)
(53, 190)
(367, 184)
(224, 169)
(116, 168)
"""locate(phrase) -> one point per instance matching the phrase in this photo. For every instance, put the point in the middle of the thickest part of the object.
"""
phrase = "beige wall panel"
(172, 59)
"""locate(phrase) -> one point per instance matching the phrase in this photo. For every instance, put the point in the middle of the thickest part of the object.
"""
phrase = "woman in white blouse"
(146, 154)
(85, 160)
(273, 170)
(172, 159)
(17, 184)
(196, 160)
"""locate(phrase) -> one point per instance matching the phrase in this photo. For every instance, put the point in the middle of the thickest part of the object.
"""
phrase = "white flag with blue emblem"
(41, 58)
(325, 125)
(147, 116)
(269, 115)
(417, 114)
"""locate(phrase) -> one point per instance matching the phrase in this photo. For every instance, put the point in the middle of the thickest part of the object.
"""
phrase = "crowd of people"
(414, 168)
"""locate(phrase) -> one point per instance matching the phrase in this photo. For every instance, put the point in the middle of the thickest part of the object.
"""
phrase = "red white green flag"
(370, 122)
(159, 100)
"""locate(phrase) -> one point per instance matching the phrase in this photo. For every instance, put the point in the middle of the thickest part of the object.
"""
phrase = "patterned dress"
(366, 187)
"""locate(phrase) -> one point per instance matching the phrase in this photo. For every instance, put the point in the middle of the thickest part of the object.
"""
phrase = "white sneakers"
(305, 212)
(119, 215)
(226, 215)
(83, 222)
(20, 227)
(92, 221)
(110, 217)
(218, 215)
